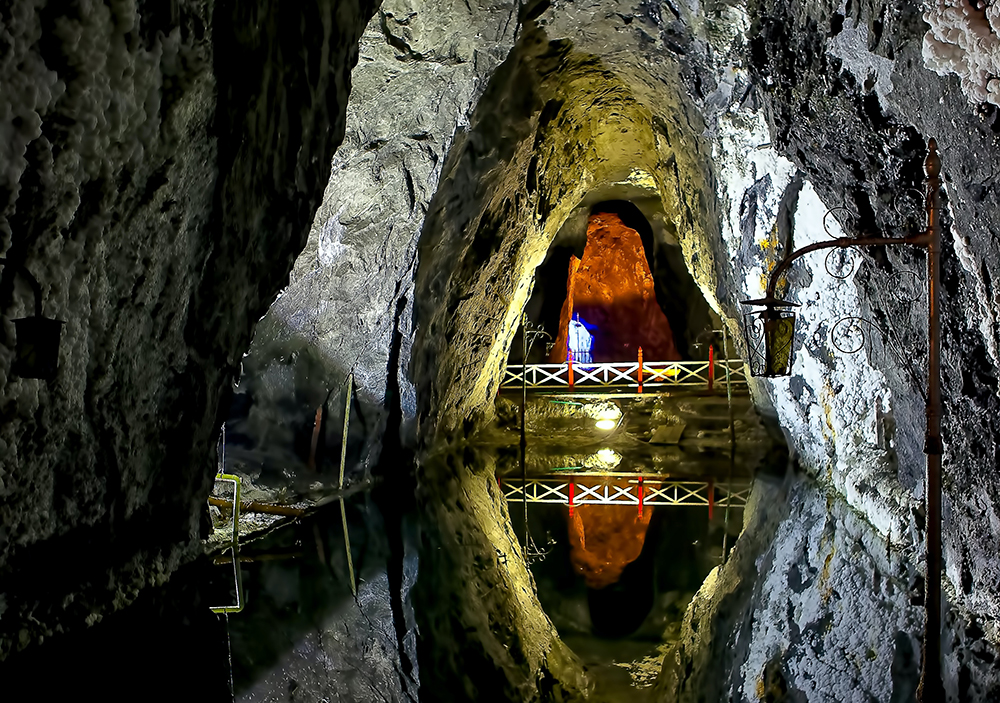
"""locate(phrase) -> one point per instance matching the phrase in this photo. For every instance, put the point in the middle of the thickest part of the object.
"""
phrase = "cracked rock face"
(887, 103)
(157, 182)
(350, 294)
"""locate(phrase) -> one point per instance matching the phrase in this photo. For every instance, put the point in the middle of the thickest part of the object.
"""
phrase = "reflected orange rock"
(612, 288)
(604, 539)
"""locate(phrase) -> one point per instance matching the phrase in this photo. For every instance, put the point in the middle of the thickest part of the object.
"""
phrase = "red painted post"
(572, 491)
(642, 495)
(711, 366)
(640, 369)
(569, 363)
(711, 497)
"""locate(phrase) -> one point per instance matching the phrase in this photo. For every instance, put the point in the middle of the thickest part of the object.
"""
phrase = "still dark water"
(622, 630)
(303, 635)
(810, 587)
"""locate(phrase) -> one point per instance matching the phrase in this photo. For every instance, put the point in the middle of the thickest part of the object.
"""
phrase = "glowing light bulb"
(606, 424)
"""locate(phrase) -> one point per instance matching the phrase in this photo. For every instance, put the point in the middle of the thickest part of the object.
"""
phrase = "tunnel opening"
(611, 285)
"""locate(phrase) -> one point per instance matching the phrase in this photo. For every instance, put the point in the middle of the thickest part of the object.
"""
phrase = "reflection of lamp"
(36, 354)
(603, 459)
(769, 335)
(608, 415)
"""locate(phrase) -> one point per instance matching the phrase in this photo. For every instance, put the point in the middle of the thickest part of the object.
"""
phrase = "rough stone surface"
(350, 294)
(573, 134)
(963, 40)
(611, 289)
(810, 606)
(158, 170)
(812, 99)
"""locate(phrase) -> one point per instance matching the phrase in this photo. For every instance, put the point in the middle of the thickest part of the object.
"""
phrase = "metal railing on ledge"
(659, 375)
(635, 491)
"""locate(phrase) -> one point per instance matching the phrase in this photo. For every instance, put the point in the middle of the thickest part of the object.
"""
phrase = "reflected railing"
(638, 491)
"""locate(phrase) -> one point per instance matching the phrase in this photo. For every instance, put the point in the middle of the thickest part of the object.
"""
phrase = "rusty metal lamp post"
(769, 335)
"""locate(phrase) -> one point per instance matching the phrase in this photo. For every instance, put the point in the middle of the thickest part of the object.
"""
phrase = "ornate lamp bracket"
(769, 333)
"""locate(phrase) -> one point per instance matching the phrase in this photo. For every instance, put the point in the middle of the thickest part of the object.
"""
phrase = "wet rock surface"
(158, 162)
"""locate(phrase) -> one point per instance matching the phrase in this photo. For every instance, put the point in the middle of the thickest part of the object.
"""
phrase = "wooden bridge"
(654, 375)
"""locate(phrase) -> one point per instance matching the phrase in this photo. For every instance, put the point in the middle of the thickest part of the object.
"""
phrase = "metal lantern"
(37, 351)
(770, 336)
(36, 354)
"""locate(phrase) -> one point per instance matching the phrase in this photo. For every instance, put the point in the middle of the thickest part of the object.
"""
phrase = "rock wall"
(160, 162)
(611, 288)
(555, 132)
(350, 295)
(850, 104)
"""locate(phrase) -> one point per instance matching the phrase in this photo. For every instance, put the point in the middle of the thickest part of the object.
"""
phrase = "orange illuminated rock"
(604, 539)
(611, 288)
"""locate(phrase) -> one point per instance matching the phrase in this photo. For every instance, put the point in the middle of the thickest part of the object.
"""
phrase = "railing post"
(711, 498)
(572, 491)
(642, 494)
(569, 366)
(711, 366)
(640, 369)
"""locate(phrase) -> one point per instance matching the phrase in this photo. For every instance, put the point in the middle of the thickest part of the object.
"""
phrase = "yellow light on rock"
(603, 459)
(606, 424)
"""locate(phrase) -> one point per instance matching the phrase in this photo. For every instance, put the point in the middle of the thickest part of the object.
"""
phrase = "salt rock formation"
(964, 39)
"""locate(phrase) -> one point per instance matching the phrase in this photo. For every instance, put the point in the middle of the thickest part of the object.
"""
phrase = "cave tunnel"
(623, 287)
(290, 248)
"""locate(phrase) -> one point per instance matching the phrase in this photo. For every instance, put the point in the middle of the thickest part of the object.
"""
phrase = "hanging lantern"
(37, 351)
(770, 337)
(36, 354)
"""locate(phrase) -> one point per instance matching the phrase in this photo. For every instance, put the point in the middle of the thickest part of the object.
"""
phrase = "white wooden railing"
(655, 375)
(588, 491)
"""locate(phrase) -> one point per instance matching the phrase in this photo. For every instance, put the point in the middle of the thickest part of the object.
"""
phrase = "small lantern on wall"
(770, 337)
(36, 354)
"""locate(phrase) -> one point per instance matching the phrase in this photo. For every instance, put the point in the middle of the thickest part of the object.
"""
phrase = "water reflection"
(604, 539)
(809, 596)
(631, 520)
(302, 634)
(615, 579)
